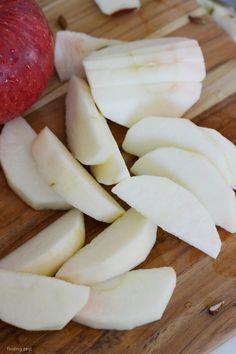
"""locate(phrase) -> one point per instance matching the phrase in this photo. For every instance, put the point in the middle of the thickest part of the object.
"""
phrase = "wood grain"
(186, 326)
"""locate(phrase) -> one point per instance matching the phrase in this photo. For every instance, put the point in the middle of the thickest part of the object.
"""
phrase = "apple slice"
(45, 253)
(173, 208)
(20, 168)
(36, 303)
(227, 147)
(109, 7)
(154, 132)
(71, 180)
(71, 48)
(197, 174)
(119, 248)
(130, 300)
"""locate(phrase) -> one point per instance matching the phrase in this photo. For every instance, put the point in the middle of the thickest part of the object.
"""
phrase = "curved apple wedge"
(173, 208)
(130, 300)
(197, 174)
(71, 48)
(119, 248)
(109, 7)
(45, 253)
(36, 303)
(20, 168)
(227, 147)
(154, 132)
(71, 180)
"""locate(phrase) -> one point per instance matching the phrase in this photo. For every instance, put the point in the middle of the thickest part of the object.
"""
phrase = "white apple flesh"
(71, 48)
(130, 300)
(173, 208)
(109, 7)
(20, 168)
(119, 248)
(35, 302)
(154, 132)
(197, 174)
(46, 252)
(71, 180)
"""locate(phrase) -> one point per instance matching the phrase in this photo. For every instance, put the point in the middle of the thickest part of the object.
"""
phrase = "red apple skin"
(26, 56)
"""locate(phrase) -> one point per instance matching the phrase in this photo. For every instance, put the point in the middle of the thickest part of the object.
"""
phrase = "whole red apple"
(26, 56)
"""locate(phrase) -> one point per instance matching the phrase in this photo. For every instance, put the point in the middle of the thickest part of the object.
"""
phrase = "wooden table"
(186, 326)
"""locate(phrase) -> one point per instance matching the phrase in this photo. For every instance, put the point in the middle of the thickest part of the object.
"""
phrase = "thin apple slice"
(109, 7)
(46, 252)
(227, 147)
(126, 105)
(197, 174)
(71, 180)
(35, 302)
(130, 300)
(173, 208)
(71, 48)
(154, 132)
(119, 248)
(20, 168)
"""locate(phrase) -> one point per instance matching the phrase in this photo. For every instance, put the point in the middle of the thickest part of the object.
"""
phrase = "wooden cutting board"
(186, 326)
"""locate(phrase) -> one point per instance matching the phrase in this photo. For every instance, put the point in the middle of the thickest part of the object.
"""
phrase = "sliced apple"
(130, 300)
(227, 147)
(154, 132)
(20, 168)
(71, 180)
(197, 174)
(119, 248)
(35, 302)
(173, 208)
(46, 252)
(71, 48)
(109, 7)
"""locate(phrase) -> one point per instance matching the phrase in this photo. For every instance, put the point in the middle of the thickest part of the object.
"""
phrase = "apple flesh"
(20, 168)
(71, 48)
(154, 132)
(130, 239)
(46, 252)
(130, 300)
(227, 147)
(198, 175)
(173, 208)
(36, 303)
(71, 180)
(109, 7)
(26, 61)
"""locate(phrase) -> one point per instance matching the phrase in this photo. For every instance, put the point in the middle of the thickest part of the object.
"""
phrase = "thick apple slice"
(173, 208)
(36, 302)
(154, 132)
(45, 253)
(119, 248)
(197, 174)
(109, 7)
(71, 180)
(71, 48)
(130, 300)
(228, 149)
(20, 168)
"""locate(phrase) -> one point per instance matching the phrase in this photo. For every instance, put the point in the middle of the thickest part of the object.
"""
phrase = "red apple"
(26, 56)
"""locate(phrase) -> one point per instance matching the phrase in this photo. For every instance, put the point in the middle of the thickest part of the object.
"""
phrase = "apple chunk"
(154, 132)
(36, 302)
(130, 300)
(71, 180)
(197, 174)
(109, 7)
(71, 48)
(45, 253)
(119, 248)
(173, 208)
(20, 168)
